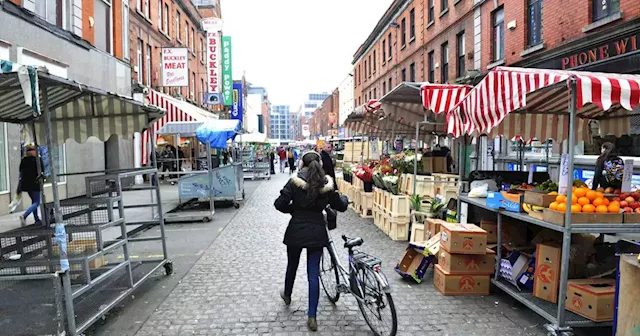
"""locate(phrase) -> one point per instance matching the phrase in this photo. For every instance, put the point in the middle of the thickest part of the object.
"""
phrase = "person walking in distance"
(291, 160)
(304, 197)
(282, 156)
(31, 181)
(327, 161)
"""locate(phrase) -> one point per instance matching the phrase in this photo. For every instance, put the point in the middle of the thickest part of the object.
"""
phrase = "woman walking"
(609, 168)
(305, 197)
(291, 160)
(30, 181)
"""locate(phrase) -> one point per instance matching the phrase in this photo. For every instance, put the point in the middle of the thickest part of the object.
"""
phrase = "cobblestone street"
(233, 289)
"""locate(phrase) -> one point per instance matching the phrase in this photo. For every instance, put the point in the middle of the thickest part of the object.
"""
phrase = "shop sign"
(305, 130)
(617, 47)
(211, 24)
(227, 73)
(175, 67)
(213, 62)
(237, 104)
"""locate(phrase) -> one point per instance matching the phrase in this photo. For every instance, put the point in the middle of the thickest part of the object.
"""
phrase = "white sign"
(214, 75)
(175, 67)
(627, 175)
(564, 174)
(305, 130)
(212, 24)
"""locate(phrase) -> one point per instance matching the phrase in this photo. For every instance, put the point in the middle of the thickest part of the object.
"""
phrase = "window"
(375, 94)
(604, 8)
(390, 84)
(384, 88)
(50, 10)
(147, 66)
(165, 19)
(178, 30)
(193, 85)
(534, 23)
(445, 6)
(390, 44)
(139, 5)
(432, 11)
(359, 73)
(375, 61)
(186, 34)
(102, 24)
(432, 66)
(498, 34)
(461, 69)
(412, 72)
(403, 33)
(125, 30)
(404, 75)
(147, 9)
(412, 25)
(384, 51)
(4, 156)
(193, 39)
(369, 69)
(366, 72)
(160, 15)
(202, 89)
(444, 70)
(140, 61)
(201, 52)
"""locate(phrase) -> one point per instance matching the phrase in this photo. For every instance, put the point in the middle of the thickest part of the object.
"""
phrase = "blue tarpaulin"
(218, 132)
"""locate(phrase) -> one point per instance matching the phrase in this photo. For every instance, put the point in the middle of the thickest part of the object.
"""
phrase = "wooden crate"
(366, 205)
(557, 218)
(398, 228)
(449, 193)
(398, 205)
(417, 232)
(378, 197)
(401, 183)
(442, 181)
(538, 198)
(378, 218)
(424, 185)
(358, 184)
(356, 201)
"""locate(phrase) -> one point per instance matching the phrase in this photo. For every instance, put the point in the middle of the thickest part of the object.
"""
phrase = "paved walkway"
(233, 288)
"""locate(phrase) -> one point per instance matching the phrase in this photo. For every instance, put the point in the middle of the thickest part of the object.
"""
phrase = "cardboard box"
(439, 165)
(547, 272)
(557, 217)
(592, 298)
(427, 164)
(432, 227)
(417, 258)
(514, 232)
(463, 238)
(467, 263)
(538, 198)
(492, 231)
(460, 284)
(504, 200)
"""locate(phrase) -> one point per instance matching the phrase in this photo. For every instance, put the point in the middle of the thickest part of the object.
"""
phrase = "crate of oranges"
(587, 206)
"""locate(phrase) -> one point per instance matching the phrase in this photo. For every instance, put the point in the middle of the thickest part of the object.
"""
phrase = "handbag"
(332, 218)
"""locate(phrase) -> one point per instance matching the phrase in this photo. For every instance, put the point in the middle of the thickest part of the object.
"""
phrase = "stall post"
(210, 173)
(415, 160)
(158, 198)
(153, 162)
(566, 242)
(43, 209)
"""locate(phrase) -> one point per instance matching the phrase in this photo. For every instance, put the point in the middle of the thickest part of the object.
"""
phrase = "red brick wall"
(87, 12)
(117, 29)
(17, 2)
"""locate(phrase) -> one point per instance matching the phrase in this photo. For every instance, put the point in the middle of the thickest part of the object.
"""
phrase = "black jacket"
(29, 180)
(327, 164)
(307, 227)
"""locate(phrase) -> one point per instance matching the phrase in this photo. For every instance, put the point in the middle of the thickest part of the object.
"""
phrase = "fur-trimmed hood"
(301, 182)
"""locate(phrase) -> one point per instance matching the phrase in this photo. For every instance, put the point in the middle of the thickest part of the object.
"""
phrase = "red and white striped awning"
(177, 110)
(439, 98)
(541, 98)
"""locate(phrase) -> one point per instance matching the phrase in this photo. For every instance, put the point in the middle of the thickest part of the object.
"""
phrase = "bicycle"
(367, 283)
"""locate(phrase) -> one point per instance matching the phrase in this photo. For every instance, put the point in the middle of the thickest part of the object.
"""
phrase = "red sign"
(213, 62)
(545, 273)
(471, 264)
(611, 49)
(467, 284)
(577, 302)
(467, 244)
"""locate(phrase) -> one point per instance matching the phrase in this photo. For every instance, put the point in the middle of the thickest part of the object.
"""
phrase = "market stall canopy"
(439, 98)
(254, 137)
(182, 128)
(218, 132)
(78, 111)
(540, 100)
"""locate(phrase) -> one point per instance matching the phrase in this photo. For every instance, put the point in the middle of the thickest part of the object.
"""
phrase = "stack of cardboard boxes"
(465, 264)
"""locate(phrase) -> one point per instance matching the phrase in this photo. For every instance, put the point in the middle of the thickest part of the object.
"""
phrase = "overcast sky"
(297, 47)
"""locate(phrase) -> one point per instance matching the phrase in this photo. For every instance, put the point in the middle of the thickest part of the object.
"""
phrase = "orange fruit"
(598, 201)
(576, 208)
(591, 195)
(583, 201)
(574, 199)
(580, 192)
(600, 194)
(562, 207)
(588, 208)
(606, 201)
(614, 208)
(553, 206)
(561, 199)
(602, 209)
(615, 202)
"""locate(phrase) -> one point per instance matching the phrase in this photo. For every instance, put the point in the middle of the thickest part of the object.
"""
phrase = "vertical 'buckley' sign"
(213, 62)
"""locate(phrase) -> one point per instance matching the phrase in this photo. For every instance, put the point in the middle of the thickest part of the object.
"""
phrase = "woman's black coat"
(307, 227)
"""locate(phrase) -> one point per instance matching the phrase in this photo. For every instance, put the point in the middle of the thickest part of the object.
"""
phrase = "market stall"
(540, 103)
(255, 149)
(207, 179)
(72, 244)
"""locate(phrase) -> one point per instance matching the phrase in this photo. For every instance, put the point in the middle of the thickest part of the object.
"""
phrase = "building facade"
(325, 117)
(82, 40)
(455, 41)
(346, 103)
(280, 122)
(254, 118)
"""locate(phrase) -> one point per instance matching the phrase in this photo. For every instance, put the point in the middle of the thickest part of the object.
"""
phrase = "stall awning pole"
(49, 140)
(211, 190)
(415, 160)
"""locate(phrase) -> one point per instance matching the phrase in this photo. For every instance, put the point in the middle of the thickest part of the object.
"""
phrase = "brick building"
(165, 23)
(447, 41)
(326, 117)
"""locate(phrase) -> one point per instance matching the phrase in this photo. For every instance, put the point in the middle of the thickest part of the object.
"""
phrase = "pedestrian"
(304, 197)
(609, 168)
(327, 161)
(168, 161)
(282, 156)
(30, 181)
(225, 157)
(291, 160)
(272, 158)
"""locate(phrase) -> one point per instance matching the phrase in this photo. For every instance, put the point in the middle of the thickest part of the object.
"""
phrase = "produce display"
(546, 186)
(586, 200)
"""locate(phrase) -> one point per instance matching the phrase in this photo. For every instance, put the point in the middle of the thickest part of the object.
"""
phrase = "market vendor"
(609, 168)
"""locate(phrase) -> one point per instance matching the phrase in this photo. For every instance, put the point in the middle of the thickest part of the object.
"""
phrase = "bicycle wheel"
(376, 306)
(329, 276)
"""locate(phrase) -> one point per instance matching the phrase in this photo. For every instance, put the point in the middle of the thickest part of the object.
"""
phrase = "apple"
(624, 195)
(617, 191)
(634, 205)
(609, 190)
(637, 211)
(635, 195)
(630, 199)
(628, 210)
(624, 204)
(616, 199)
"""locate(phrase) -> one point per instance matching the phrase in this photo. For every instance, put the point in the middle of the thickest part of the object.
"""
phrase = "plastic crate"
(397, 205)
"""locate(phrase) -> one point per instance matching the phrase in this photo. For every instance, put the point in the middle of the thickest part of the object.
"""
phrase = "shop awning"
(78, 111)
(177, 111)
(539, 98)
(439, 98)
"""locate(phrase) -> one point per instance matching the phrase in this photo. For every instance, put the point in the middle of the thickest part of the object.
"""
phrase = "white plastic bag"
(491, 184)
(14, 204)
(479, 191)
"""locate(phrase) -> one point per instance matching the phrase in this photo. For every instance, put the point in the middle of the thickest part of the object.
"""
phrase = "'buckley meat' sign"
(213, 62)
(175, 67)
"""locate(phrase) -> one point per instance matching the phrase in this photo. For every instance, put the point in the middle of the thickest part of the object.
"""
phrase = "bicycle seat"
(353, 242)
